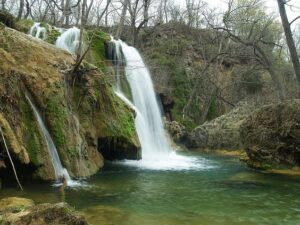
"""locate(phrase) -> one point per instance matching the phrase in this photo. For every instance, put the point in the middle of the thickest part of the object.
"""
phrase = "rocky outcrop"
(271, 135)
(222, 132)
(80, 110)
(177, 131)
(19, 211)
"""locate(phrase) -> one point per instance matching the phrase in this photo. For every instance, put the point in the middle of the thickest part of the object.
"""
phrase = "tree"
(248, 25)
(289, 37)
(122, 18)
(20, 13)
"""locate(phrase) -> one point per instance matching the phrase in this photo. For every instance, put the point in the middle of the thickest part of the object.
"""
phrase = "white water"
(60, 172)
(69, 40)
(157, 153)
(37, 31)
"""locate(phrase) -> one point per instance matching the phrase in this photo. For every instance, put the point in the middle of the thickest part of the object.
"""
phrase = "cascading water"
(156, 150)
(60, 172)
(37, 31)
(69, 40)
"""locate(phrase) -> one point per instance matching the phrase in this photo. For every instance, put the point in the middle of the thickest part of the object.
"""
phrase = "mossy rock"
(24, 25)
(7, 19)
(52, 35)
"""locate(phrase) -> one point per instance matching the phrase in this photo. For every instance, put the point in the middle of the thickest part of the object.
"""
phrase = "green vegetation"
(32, 136)
(24, 25)
(52, 35)
(57, 118)
(96, 54)
(212, 111)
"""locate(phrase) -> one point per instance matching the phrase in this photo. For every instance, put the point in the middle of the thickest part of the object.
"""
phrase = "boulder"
(176, 130)
(19, 211)
(271, 135)
(222, 132)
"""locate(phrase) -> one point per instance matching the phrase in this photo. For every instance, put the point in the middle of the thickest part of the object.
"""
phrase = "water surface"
(219, 191)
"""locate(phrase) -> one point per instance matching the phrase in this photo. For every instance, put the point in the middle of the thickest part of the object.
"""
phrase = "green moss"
(72, 151)
(24, 25)
(96, 53)
(52, 36)
(57, 116)
(32, 136)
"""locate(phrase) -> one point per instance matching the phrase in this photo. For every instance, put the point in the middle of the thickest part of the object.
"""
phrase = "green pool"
(217, 190)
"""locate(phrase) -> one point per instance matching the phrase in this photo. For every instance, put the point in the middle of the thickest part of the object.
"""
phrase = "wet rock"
(271, 135)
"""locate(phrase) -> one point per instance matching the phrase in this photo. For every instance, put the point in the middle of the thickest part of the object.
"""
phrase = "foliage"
(212, 110)
(52, 36)
(24, 25)
(252, 81)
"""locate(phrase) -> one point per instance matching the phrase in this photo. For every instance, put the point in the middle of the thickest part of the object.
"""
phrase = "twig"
(10, 159)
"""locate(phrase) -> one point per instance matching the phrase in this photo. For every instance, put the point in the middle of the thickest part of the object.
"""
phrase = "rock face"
(79, 110)
(22, 211)
(271, 135)
(176, 130)
(222, 132)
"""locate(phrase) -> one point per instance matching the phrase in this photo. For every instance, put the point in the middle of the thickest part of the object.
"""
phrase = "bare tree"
(21, 8)
(122, 18)
(289, 37)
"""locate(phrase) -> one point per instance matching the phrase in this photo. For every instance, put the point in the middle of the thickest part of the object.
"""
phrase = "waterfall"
(157, 153)
(149, 123)
(37, 31)
(69, 40)
(60, 171)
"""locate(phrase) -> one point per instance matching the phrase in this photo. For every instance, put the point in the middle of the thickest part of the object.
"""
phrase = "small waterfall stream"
(69, 40)
(60, 172)
(37, 31)
(156, 150)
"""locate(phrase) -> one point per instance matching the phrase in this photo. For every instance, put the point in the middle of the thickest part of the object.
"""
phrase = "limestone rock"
(77, 114)
(19, 211)
(271, 135)
(176, 130)
(222, 132)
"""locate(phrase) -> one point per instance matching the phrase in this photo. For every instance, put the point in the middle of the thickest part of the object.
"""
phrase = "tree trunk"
(3, 4)
(67, 10)
(20, 13)
(122, 19)
(289, 38)
(87, 13)
(82, 24)
(146, 13)
(28, 8)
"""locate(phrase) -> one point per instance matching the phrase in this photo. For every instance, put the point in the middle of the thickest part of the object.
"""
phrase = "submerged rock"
(19, 211)
(271, 135)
